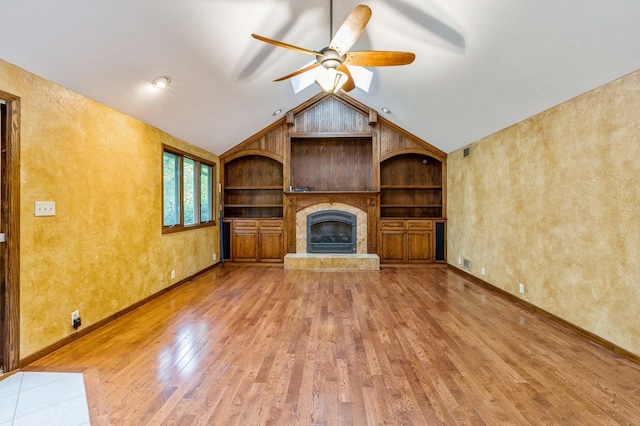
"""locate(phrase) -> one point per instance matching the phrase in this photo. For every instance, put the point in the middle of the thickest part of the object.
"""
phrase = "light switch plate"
(45, 208)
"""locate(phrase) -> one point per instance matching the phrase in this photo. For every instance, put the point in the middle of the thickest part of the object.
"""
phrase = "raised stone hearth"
(332, 262)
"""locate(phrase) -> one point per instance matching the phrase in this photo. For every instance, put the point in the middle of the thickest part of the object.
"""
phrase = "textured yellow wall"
(104, 250)
(554, 202)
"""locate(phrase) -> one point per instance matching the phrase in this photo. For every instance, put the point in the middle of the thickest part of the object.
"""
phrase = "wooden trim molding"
(330, 135)
(373, 116)
(562, 322)
(75, 336)
(10, 211)
(290, 118)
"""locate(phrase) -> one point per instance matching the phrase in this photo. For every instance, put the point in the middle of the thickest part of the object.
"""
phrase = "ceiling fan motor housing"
(330, 58)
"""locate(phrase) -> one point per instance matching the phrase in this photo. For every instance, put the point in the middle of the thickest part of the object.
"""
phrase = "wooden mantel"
(364, 200)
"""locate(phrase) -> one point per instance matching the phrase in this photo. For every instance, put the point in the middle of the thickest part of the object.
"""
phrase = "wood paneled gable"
(395, 141)
(269, 142)
(332, 114)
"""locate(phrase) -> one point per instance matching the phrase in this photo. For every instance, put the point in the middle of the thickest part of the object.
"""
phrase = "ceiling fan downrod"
(330, 20)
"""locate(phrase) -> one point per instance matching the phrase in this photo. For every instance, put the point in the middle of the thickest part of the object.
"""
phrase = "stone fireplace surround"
(361, 260)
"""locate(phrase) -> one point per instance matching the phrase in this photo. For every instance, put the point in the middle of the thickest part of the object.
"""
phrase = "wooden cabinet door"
(419, 246)
(271, 246)
(244, 245)
(392, 245)
(271, 243)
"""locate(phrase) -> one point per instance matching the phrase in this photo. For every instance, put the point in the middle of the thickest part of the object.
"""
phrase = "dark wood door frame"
(10, 226)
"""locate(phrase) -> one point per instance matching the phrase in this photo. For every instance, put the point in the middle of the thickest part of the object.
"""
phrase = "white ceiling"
(480, 65)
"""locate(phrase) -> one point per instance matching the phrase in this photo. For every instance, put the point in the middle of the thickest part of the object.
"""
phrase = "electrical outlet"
(466, 264)
(483, 271)
(215, 256)
(75, 319)
(521, 288)
(459, 261)
(173, 274)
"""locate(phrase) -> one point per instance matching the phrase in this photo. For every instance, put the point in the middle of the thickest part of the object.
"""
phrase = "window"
(187, 187)
(206, 202)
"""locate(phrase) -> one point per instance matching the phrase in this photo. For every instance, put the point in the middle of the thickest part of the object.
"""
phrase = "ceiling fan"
(335, 57)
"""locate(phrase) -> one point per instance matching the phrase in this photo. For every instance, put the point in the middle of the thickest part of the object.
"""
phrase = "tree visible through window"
(189, 182)
(206, 201)
(187, 185)
(171, 189)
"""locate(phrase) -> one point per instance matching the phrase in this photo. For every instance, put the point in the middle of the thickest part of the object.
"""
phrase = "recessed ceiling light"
(277, 112)
(386, 110)
(161, 82)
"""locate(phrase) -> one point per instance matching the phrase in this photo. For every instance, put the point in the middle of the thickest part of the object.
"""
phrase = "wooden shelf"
(428, 206)
(411, 187)
(330, 192)
(249, 188)
(252, 205)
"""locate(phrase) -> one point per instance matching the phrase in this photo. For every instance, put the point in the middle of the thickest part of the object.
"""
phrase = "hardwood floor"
(254, 345)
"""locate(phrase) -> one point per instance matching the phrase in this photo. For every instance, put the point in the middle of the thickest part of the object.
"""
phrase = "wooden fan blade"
(350, 29)
(286, 46)
(379, 58)
(350, 84)
(300, 71)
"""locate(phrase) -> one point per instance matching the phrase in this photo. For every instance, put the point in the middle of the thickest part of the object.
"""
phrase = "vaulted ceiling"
(480, 65)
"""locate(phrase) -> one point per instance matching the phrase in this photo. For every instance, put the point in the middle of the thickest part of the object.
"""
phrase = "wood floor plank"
(257, 345)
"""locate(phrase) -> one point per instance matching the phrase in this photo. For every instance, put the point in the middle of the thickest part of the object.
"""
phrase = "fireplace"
(317, 208)
(332, 231)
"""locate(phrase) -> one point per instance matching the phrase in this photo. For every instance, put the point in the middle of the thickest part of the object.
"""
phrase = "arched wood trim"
(259, 152)
(419, 151)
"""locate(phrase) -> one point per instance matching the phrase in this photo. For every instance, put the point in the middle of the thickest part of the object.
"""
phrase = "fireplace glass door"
(331, 231)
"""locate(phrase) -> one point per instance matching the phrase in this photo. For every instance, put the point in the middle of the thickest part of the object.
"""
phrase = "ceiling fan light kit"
(331, 80)
(161, 82)
(336, 56)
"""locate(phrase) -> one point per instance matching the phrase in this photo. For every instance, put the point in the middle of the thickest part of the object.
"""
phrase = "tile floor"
(37, 398)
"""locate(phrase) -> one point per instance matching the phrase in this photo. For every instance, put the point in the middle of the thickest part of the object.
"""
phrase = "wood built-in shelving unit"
(411, 187)
(253, 188)
(346, 154)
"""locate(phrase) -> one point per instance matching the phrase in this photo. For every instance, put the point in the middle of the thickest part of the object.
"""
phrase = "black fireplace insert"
(332, 231)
